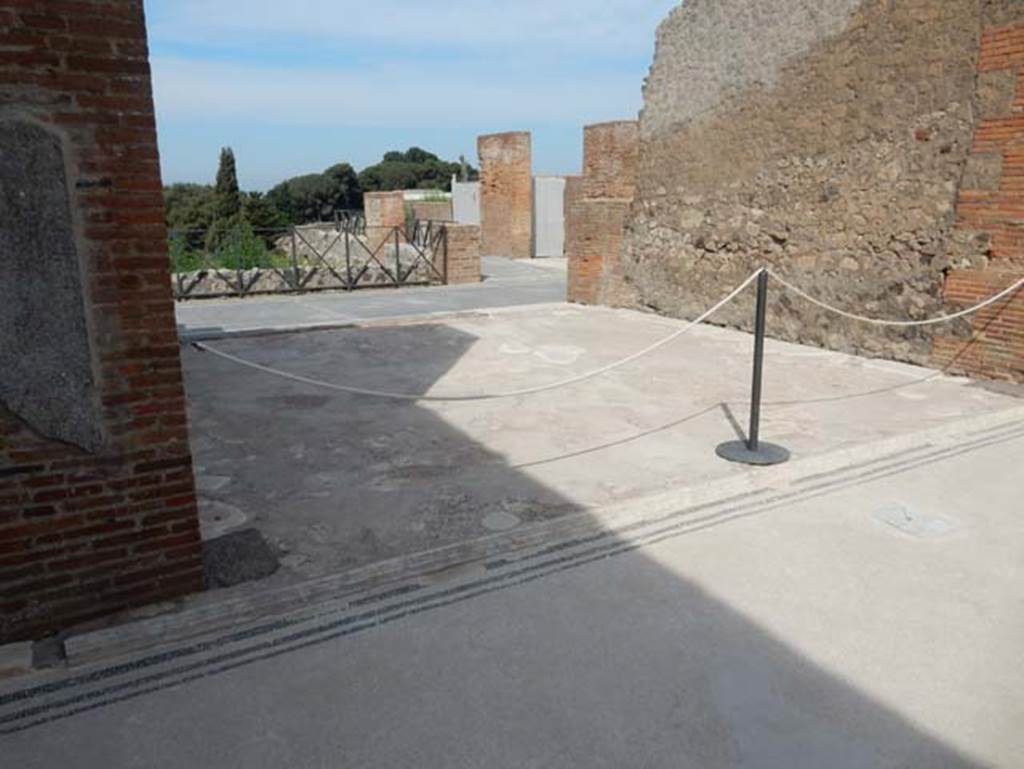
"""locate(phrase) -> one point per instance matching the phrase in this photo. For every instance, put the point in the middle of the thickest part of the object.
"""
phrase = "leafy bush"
(234, 247)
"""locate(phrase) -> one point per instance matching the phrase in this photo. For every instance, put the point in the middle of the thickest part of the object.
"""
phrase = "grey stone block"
(46, 375)
(15, 659)
(241, 556)
(996, 92)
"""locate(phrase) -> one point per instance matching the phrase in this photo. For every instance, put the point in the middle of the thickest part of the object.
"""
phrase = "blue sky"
(297, 85)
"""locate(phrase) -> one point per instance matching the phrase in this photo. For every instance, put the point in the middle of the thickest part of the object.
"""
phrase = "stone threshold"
(764, 488)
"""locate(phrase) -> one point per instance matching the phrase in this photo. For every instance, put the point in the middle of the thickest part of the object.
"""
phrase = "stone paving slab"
(780, 485)
(787, 627)
(337, 481)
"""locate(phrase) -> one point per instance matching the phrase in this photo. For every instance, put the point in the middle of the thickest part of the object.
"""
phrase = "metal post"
(444, 241)
(398, 258)
(236, 245)
(348, 263)
(295, 260)
(753, 451)
(754, 435)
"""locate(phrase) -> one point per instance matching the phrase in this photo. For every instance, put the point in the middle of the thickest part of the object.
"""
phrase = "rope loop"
(483, 396)
(897, 323)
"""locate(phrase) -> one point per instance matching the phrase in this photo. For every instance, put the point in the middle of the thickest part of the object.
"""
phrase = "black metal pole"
(760, 315)
(398, 259)
(752, 451)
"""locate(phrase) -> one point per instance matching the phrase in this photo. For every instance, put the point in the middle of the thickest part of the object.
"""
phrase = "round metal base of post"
(766, 454)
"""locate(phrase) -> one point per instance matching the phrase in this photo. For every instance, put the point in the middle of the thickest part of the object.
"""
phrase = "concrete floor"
(337, 481)
(817, 631)
(506, 283)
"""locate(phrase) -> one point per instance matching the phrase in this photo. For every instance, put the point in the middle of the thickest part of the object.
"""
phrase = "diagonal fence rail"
(340, 255)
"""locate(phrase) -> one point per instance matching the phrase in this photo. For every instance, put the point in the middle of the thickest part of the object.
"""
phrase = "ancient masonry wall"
(991, 213)
(597, 207)
(863, 148)
(506, 195)
(98, 509)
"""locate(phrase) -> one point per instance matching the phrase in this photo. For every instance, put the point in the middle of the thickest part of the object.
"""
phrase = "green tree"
(229, 199)
(413, 169)
(190, 212)
(261, 213)
(315, 197)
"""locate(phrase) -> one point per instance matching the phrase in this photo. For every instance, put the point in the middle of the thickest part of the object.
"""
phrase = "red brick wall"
(506, 195)
(597, 208)
(610, 154)
(991, 218)
(573, 193)
(597, 230)
(432, 210)
(384, 209)
(84, 535)
(463, 253)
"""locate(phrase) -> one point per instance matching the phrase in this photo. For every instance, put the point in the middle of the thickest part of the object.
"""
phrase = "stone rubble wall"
(320, 256)
(834, 141)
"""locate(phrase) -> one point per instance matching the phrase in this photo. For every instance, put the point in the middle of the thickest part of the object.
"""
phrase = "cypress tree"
(229, 200)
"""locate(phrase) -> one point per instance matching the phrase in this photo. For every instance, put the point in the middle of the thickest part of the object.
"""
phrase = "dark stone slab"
(241, 556)
(46, 375)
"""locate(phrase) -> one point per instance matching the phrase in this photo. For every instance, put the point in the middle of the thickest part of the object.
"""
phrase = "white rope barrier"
(484, 396)
(899, 323)
(612, 366)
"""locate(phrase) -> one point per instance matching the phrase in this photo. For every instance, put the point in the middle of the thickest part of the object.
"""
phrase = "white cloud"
(353, 79)
(609, 27)
(189, 88)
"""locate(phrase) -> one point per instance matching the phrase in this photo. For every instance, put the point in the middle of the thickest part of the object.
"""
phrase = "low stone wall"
(325, 259)
(200, 284)
(321, 264)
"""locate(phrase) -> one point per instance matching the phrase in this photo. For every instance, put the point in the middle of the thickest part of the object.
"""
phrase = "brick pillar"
(597, 208)
(573, 193)
(97, 499)
(990, 210)
(463, 253)
(610, 154)
(384, 211)
(506, 195)
(597, 226)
